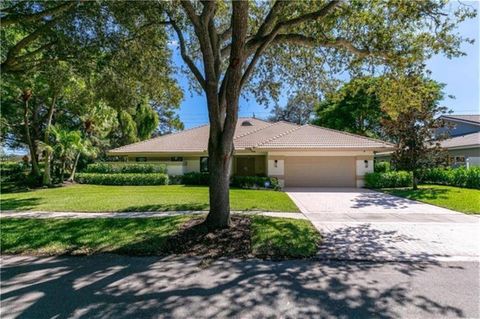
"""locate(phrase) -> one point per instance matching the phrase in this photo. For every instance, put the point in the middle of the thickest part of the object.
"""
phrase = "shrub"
(121, 168)
(255, 182)
(195, 178)
(381, 167)
(122, 179)
(388, 179)
(460, 177)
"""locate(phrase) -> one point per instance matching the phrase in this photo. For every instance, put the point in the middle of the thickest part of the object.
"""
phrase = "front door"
(245, 166)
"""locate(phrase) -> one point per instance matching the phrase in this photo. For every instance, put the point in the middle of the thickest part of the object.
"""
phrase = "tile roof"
(473, 118)
(259, 135)
(467, 140)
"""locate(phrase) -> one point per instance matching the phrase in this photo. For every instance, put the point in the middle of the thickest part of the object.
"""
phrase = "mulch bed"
(195, 239)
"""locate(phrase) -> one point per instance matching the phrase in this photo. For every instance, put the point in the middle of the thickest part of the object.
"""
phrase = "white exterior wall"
(472, 161)
(192, 165)
(175, 168)
(277, 170)
(363, 166)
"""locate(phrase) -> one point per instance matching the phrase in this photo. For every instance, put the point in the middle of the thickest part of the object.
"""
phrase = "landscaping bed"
(98, 198)
(250, 236)
(459, 199)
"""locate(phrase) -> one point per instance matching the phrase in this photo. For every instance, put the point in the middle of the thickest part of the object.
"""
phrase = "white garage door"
(324, 171)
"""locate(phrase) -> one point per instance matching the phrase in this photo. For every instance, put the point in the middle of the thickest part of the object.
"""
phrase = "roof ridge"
(279, 135)
(351, 134)
(254, 131)
(158, 137)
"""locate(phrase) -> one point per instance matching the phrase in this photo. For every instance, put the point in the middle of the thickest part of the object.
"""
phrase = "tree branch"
(190, 10)
(15, 18)
(185, 57)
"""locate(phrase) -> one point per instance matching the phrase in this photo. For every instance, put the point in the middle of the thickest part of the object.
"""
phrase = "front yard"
(261, 237)
(459, 199)
(95, 198)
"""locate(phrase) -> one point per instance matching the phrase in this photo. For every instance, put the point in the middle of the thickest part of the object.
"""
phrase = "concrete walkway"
(360, 224)
(44, 214)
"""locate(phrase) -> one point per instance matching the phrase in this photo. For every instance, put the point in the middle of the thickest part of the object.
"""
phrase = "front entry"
(245, 166)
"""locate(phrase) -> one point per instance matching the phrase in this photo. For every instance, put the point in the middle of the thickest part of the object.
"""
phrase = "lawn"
(95, 198)
(459, 199)
(269, 236)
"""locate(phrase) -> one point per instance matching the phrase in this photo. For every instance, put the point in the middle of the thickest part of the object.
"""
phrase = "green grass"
(133, 236)
(270, 237)
(459, 199)
(283, 237)
(95, 198)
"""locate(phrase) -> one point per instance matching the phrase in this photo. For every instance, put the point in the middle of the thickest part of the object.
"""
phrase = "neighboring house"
(463, 144)
(298, 155)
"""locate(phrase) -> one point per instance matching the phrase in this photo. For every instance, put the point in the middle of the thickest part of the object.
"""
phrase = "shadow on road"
(112, 286)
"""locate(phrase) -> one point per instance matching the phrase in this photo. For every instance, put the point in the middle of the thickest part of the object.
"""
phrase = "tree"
(298, 109)
(257, 45)
(354, 108)
(49, 51)
(413, 128)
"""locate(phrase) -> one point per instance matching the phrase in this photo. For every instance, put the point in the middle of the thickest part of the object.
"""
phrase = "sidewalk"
(44, 214)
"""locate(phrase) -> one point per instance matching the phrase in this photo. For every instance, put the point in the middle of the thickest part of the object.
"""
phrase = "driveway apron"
(361, 224)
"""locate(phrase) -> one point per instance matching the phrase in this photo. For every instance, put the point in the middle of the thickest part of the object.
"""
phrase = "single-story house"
(463, 144)
(298, 155)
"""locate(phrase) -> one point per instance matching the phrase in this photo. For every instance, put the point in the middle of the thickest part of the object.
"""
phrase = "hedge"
(122, 179)
(382, 167)
(460, 177)
(255, 182)
(195, 178)
(121, 168)
(388, 179)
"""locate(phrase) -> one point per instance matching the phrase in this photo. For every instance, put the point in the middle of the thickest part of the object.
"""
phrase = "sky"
(461, 76)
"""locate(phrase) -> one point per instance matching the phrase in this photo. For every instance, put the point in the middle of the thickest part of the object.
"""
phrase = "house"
(298, 155)
(463, 144)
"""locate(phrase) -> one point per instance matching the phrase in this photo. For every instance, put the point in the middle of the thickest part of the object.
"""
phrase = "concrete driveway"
(361, 224)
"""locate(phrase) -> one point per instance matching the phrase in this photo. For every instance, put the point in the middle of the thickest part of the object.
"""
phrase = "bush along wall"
(255, 182)
(388, 180)
(122, 179)
(460, 177)
(120, 168)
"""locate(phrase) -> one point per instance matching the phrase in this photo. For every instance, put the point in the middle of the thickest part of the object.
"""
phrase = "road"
(109, 286)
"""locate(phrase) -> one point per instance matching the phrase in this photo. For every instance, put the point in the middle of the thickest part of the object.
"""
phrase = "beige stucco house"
(298, 155)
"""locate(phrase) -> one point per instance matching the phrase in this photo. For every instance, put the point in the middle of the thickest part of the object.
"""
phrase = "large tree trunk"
(31, 147)
(219, 166)
(47, 178)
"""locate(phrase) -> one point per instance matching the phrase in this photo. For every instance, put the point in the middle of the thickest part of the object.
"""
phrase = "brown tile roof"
(467, 140)
(316, 137)
(259, 135)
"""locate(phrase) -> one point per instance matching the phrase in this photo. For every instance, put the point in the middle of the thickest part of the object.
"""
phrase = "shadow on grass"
(132, 236)
(283, 238)
(166, 207)
(19, 204)
(422, 193)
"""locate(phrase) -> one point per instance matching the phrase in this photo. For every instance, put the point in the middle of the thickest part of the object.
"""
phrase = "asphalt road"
(150, 287)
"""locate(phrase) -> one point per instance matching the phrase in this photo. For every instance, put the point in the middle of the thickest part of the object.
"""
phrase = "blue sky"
(461, 75)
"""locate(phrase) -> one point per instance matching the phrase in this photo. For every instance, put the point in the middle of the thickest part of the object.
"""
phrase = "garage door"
(322, 171)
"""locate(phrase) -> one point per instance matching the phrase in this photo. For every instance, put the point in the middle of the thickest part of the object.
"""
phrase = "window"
(140, 159)
(203, 164)
(176, 159)
(459, 160)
